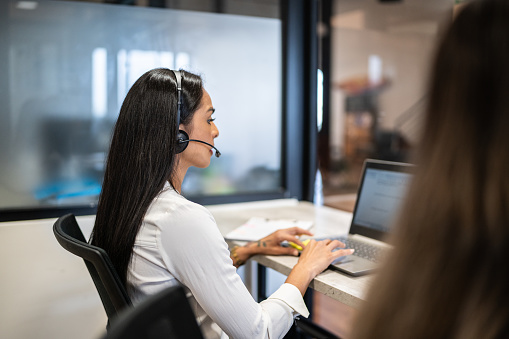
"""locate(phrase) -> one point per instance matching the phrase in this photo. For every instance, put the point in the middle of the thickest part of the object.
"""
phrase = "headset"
(182, 137)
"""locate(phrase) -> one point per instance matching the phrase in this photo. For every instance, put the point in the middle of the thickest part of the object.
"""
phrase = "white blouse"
(179, 242)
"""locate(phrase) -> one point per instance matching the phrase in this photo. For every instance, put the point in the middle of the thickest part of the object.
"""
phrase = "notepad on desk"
(257, 228)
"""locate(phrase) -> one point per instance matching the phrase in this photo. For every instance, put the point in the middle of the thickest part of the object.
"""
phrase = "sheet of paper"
(257, 228)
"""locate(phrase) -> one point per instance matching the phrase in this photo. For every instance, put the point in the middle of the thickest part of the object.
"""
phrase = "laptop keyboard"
(362, 249)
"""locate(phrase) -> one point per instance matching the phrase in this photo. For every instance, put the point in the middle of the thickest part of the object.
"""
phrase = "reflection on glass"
(380, 57)
(70, 66)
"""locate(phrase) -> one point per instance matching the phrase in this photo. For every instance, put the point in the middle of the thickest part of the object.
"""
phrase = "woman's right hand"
(314, 259)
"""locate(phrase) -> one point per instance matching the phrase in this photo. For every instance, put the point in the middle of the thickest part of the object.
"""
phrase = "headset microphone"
(183, 139)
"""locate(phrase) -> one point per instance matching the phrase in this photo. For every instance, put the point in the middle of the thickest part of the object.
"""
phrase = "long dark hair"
(447, 276)
(141, 159)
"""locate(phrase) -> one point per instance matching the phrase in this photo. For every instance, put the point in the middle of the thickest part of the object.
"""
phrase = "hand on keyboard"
(324, 252)
(314, 259)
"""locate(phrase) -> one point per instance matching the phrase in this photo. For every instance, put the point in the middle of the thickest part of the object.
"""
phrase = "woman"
(447, 276)
(157, 238)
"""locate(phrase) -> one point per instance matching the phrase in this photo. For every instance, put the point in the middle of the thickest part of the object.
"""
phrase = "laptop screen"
(381, 193)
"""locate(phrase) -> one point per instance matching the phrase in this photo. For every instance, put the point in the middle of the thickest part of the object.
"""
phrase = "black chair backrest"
(166, 314)
(107, 282)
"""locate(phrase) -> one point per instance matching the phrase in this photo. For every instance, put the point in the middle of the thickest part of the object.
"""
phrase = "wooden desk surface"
(327, 221)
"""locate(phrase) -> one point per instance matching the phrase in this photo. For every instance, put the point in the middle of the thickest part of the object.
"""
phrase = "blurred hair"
(141, 159)
(447, 275)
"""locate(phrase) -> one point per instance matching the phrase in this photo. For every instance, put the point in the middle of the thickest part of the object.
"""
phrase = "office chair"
(166, 314)
(106, 280)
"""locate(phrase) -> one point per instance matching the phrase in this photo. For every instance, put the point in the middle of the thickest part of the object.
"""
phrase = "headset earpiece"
(182, 141)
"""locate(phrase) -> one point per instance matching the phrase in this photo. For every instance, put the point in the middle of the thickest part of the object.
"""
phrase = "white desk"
(327, 221)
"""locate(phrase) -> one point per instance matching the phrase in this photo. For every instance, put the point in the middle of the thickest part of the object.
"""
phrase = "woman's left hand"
(271, 244)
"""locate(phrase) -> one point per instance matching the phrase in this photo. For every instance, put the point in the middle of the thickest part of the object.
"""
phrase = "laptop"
(381, 191)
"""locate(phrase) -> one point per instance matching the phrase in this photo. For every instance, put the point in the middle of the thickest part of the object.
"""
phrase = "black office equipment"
(113, 294)
(381, 191)
(182, 137)
(166, 314)
(305, 328)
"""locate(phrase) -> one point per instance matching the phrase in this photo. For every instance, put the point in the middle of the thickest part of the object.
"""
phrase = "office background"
(72, 63)
(304, 91)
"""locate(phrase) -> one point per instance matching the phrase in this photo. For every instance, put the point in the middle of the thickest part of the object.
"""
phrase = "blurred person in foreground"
(447, 276)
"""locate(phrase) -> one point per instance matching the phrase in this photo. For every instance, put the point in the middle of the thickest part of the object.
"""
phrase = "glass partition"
(69, 66)
(380, 53)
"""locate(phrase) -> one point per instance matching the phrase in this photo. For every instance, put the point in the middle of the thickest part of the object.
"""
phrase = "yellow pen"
(299, 248)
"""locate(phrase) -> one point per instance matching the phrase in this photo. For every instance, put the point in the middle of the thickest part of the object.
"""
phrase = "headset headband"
(179, 91)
